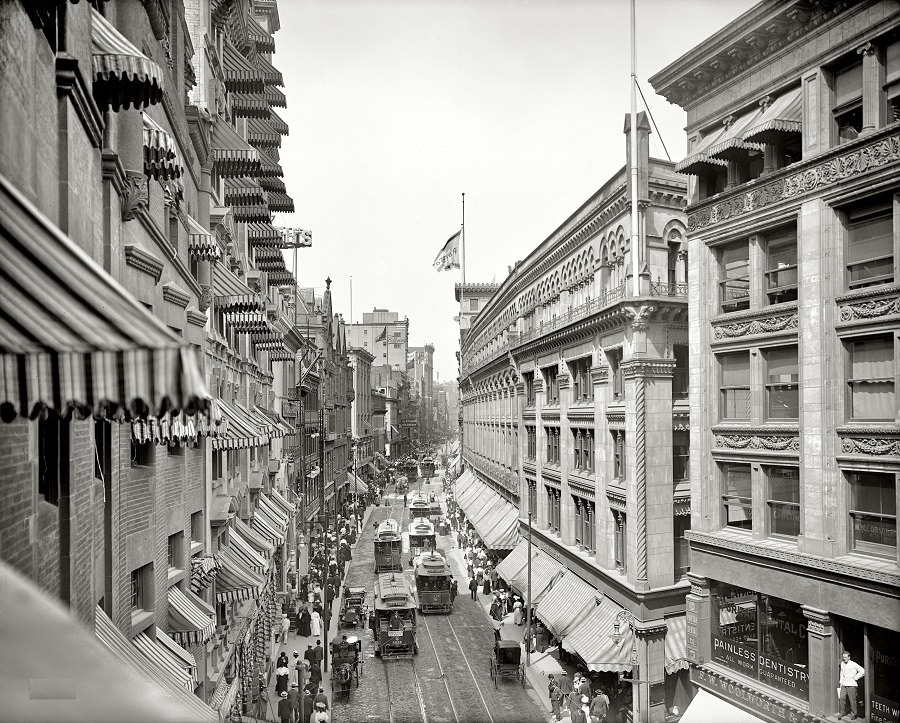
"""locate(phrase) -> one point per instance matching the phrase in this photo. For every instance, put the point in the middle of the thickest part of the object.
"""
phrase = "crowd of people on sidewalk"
(575, 696)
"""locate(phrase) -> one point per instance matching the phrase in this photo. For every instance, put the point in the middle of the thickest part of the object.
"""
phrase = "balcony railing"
(661, 288)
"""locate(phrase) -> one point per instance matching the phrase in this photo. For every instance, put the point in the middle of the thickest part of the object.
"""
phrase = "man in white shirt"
(850, 673)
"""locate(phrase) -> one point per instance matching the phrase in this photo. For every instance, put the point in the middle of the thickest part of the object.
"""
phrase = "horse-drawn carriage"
(507, 661)
(353, 609)
(346, 664)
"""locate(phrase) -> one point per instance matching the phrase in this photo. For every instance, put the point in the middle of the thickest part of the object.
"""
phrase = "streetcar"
(411, 469)
(426, 466)
(388, 547)
(393, 619)
(421, 537)
(419, 506)
(433, 584)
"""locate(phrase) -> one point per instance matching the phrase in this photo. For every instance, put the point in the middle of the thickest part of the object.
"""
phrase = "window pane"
(785, 653)
(784, 500)
(735, 287)
(848, 85)
(872, 378)
(738, 496)
(874, 513)
(735, 369)
(870, 250)
(782, 386)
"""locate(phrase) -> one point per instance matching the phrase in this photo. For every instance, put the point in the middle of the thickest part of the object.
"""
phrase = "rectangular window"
(102, 448)
(588, 521)
(870, 246)
(734, 288)
(551, 384)
(621, 541)
(619, 456)
(197, 527)
(681, 456)
(892, 80)
(873, 513)
(871, 379)
(782, 383)
(781, 269)
(53, 457)
(176, 550)
(681, 557)
(847, 109)
(529, 389)
(582, 388)
(589, 451)
(614, 357)
(142, 588)
(737, 498)
(735, 389)
(141, 453)
(783, 500)
(681, 374)
(579, 520)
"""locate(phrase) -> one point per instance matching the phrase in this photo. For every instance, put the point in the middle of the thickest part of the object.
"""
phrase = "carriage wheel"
(522, 670)
(494, 673)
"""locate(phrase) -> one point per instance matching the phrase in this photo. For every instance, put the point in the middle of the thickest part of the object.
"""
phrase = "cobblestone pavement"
(449, 680)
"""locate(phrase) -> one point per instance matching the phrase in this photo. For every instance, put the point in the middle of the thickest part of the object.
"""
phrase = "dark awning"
(273, 183)
(269, 167)
(235, 580)
(281, 355)
(278, 125)
(264, 234)
(779, 118)
(257, 541)
(241, 76)
(256, 33)
(202, 244)
(281, 278)
(161, 159)
(698, 160)
(231, 294)
(232, 155)
(275, 97)
(72, 338)
(243, 431)
(249, 106)
(245, 322)
(189, 623)
(270, 74)
(731, 144)
(243, 192)
(261, 133)
(123, 75)
(280, 202)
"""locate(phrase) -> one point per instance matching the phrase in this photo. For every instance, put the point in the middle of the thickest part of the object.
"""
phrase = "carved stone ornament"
(772, 443)
(134, 196)
(767, 325)
(696, 589)
(876, 153)
(816, 627)
(872, 446)
(859, 310)
(205, 298)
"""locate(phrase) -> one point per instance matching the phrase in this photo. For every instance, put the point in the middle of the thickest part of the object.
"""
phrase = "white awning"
(161, 655)
(707, 708)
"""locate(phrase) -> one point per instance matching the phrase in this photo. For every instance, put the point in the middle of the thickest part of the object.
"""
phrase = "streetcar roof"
(433, 565)
(421, 526)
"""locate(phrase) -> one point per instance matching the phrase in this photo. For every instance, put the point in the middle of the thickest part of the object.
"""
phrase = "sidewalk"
(542, 664)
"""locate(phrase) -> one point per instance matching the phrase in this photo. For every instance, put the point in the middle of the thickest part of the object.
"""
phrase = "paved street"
(449, 679)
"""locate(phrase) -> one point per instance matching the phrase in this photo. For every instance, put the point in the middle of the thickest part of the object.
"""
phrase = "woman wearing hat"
(580, 713)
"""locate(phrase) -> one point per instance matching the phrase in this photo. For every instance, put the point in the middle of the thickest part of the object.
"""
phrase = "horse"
(342, 680)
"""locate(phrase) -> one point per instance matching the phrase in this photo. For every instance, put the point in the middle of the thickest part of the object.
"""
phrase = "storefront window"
(884, 664)
(762, 637)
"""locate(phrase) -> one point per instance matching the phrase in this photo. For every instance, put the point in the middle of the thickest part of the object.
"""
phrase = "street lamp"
(625, 616)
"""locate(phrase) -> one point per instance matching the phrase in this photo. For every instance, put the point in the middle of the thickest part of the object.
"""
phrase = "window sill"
(140, 621)
(175, 575)
(196, 547)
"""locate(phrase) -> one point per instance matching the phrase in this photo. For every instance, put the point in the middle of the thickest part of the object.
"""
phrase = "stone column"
(604, 523)
(698, 612)
(824, 658)
(540, 450)
(873, 79)
(650, 639)
(566, 452)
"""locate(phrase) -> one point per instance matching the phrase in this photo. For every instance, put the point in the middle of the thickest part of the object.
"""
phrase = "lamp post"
(324, 517)
(628, 618)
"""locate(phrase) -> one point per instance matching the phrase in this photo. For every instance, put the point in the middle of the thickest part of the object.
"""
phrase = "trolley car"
(410, 468)
(426, 467)
(433, 584)
(346, 664)
(421, 537)
(393, 620)
(419, 506)
(388, 547)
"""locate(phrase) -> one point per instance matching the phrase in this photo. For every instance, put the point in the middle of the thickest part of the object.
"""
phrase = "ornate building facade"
(574, 408)
(793, 228)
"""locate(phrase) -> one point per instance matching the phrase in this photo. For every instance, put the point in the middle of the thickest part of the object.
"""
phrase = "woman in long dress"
(316, 624)
(517, 612)
(304, 625)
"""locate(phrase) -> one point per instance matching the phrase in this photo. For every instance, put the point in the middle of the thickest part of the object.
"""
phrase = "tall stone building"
(575, 416)
(420, 370)
(384, 335)
(794, 167)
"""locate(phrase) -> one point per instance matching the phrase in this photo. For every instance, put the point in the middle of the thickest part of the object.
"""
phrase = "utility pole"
(324, 518)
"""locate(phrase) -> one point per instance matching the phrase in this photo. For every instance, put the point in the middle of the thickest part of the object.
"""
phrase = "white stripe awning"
(160, 656)
(191, 625)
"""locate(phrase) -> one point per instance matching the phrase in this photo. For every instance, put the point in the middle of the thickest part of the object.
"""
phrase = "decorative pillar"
(651, 662)
(604, 525)
(873, 78)
(540, 450)
(823, 661)
(566, 455)
(698, 620)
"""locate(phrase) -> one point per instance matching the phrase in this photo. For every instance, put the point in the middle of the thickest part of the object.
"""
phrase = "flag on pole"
(448, 258)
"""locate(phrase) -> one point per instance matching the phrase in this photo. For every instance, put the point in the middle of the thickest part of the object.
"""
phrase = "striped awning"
(698, 159)
(244, 322)
(214, 424)
(732, 145)
(233, 295)
(261, 134)
(275, 97)
(202, 245)
(277, 420)
(280, 355)
(123, 75)
(268, 340)
(149, 669)
(676, 644)
(264, 234)
(781, 118)
(243, 430)
(516, 561)
(267, 529)
(177, 430)
(566, 604)
(191, 620)
(252, 213)
(270, 74)
(278, 125)
(545, 571)
(273, 512)
(257, 541)
(593, 639)
(235, 580)
(272, 183)
(281, 278)
(280, 202)
(160, 653)
(268, 165)
(243, 192)
(241, 76)
(203, 569)
(72, 338)
(249, 106)
(279, 500)
(232, 155)
(244, 551)
(257, 34)
(161, 160)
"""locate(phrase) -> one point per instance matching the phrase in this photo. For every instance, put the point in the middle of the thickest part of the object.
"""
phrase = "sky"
(398, 107)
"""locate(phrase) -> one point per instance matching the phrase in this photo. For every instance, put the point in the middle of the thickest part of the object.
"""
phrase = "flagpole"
(462, 293)
(635, 223)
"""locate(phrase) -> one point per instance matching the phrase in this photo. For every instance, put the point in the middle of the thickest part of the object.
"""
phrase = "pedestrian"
(306, 708)
(299, 671)
(284, 709)
(579, 713)
(319, 653)
(599, 706)
(556, 697)
(454, 589)
(281, 679)
(282, 660)
(850, 673)
(321, 698)
(585, 687)
(517, 610)
(574, 697)
(294, 699)
(494, 578)
(285, 627)
(315, 624)
(404, 500)
(486, 590)
(473, 588)
(565, 683)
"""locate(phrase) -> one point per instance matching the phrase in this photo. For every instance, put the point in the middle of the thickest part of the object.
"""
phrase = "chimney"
(643, 136)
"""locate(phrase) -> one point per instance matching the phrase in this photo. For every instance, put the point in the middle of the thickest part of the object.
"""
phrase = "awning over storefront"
(72, 338)
(236, 581)
(593, 640)
(232, 155)
(271, 510)
(160, 655)
(495, 520)
(279, 500)
(190, 623)
(780, 119)
(267, 529)
(175, 696)
(123, 75)
(244, 552)
(708, 708)
(357, 486)
(676, 644)
(242, 429)
(544, 573)
(161, 160)
(516, 561)
(257, 541)
(279, 426)
(203, 569)
(568, 601)
(453, 464)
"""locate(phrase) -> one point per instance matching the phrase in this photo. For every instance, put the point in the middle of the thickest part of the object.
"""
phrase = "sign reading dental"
(762, 637)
